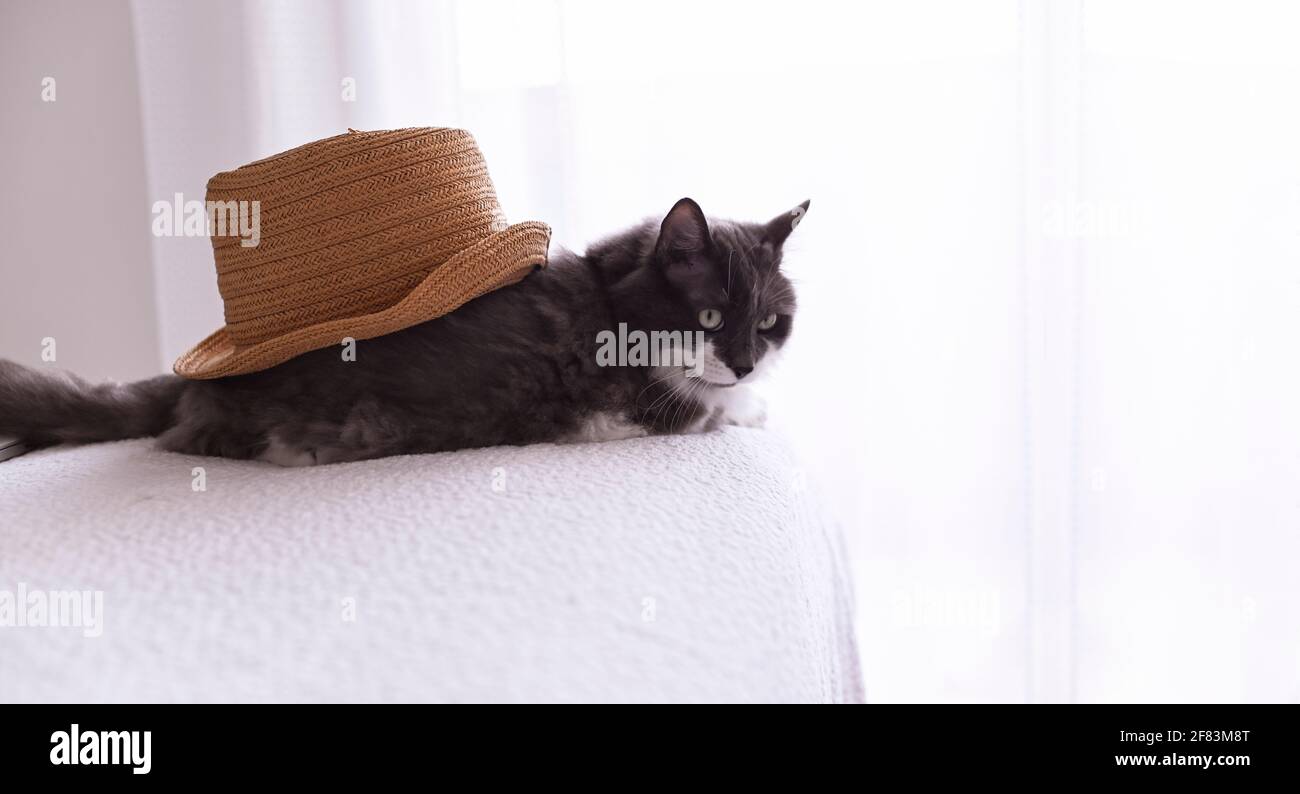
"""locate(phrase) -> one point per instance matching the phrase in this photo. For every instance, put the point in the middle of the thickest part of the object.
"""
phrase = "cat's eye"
(767, 322)
(710, 319)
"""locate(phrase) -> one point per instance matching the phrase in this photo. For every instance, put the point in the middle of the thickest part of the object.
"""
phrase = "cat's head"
(725, 279)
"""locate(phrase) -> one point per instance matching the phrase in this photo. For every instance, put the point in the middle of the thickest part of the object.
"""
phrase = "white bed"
(688, 568)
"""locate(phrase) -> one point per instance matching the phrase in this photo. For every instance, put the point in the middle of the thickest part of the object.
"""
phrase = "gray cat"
(517, 366)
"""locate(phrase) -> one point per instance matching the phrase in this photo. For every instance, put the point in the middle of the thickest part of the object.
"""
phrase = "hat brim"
(498, 260)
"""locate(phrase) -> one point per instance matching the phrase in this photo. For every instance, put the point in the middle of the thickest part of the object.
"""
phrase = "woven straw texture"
(361, 235)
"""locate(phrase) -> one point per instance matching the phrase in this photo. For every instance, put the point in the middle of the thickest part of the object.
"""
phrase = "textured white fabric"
(687, 568)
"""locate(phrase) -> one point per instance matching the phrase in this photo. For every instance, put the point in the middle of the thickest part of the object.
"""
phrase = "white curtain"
(1044, 366)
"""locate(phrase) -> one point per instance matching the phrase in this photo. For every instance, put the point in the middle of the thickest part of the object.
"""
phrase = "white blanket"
(688, 568)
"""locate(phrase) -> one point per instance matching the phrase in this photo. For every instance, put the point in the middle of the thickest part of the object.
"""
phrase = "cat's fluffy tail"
(44, 407)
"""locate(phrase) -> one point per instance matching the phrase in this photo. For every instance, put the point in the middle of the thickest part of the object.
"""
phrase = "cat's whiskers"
(688, 396)
(652, 384)
(687, 399)
(670, 392)
(694, 410)
(669, 398)
(676, 407)
(727, 289)
(676, 394)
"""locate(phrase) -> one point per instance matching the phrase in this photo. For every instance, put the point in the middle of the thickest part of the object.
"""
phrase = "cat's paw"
(745, 409)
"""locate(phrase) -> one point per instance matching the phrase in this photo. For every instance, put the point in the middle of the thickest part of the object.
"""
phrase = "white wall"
(1189, 443)
(74, 208)
(195, 77)
(224, 89)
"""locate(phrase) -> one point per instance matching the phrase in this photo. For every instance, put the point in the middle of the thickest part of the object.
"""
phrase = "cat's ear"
(684, 231)
(780, 227)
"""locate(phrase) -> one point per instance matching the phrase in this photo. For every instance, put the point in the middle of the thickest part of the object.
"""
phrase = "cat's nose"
(741, 372)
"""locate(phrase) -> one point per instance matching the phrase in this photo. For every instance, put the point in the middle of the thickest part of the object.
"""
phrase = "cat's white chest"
(741, 406)
(605, 426)
(287, 455)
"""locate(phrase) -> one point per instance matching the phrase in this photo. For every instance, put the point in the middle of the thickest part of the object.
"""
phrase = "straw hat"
(361, 235)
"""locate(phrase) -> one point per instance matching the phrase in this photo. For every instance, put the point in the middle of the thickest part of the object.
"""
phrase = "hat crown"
(344, 226)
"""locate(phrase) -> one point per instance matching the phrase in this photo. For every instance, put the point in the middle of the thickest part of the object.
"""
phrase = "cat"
(516, 366)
